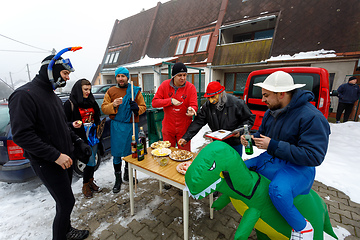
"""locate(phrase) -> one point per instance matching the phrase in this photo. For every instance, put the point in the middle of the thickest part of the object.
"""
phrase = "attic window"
(181, 46)
(112, 57)
(191, 45)
(204, 41)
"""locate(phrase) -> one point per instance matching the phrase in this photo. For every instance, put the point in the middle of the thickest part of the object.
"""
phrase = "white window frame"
(204, 42)
(181, 46)
(191, 45)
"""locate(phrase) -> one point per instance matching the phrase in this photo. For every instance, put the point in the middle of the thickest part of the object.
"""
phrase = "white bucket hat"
(279, 81)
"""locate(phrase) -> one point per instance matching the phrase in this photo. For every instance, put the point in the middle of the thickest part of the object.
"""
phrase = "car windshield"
(4, 119)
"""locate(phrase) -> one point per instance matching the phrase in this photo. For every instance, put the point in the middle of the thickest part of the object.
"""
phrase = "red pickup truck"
(316, 80)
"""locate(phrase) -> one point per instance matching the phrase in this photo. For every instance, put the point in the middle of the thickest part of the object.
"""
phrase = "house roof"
(302, 26)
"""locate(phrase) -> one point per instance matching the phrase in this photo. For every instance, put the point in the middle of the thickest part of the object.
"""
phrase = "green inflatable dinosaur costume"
(218, 167)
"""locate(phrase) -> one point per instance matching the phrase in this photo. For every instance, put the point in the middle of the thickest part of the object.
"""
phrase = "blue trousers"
(287, 181)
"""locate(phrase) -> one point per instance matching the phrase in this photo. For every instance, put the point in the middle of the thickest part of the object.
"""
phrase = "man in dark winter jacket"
(295, 136)
(348, 94)
(221, 111)
(40, 127)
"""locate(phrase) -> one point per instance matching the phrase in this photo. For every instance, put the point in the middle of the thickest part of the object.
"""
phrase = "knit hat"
(279, 81)
(178, 68)
(122, 70)
(213, 88)
(352, 78)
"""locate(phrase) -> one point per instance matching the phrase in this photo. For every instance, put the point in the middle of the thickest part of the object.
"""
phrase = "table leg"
(211, 200)
(160, 186)
(131, 189)
(186, 214)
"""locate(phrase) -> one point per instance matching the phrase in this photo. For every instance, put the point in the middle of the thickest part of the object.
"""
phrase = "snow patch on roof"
(305, 55)
(147, 61)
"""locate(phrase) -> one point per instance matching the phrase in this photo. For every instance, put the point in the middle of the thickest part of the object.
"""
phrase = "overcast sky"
(59, 24)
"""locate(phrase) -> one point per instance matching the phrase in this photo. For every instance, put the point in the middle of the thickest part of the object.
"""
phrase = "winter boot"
(118, 182)
(75, 234)
(93, 186)
(126, 176)
(86, 190)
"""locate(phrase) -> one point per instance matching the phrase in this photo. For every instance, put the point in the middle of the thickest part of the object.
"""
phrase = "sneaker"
(75, 234)
(86, 190)
(306, 234)
(337, 121)
(93, 186)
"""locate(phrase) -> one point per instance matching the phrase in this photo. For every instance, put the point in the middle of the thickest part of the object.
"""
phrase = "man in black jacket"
(221, 111)
(39, 126)
(348, 94)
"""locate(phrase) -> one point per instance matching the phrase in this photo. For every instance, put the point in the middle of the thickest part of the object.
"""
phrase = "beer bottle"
(142, 136)
(249, 147)
(140, 150)
(133, 147)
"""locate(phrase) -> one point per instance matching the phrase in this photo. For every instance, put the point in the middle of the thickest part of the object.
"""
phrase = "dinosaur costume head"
(219, 167)
(213, 166)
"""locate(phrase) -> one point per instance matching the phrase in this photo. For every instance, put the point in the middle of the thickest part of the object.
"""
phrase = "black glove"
(82, 151)
(134, 107)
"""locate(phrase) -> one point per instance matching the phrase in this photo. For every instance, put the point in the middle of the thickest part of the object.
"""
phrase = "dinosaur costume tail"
(327, 226)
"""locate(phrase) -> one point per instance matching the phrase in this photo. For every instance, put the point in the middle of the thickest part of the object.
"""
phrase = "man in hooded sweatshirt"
(40, 127)
(120, 107)
(295, 136)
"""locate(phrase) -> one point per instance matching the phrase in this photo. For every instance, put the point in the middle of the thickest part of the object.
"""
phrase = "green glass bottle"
(249, 147)
(140, 151)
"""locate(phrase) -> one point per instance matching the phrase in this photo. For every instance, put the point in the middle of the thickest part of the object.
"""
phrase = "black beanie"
(178, 68)
(352, 78)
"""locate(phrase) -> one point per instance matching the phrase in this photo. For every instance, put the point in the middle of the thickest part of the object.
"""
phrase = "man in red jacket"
(179, 100)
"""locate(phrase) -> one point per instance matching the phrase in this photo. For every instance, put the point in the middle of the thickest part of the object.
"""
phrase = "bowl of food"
(163, 161)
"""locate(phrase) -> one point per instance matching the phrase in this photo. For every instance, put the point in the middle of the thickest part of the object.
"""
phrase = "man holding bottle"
(295, 136)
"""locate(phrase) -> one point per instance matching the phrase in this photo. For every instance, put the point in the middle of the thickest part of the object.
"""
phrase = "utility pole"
(27, 65)
(12, 84)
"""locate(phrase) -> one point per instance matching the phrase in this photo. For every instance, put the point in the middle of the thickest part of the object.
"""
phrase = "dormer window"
(204, 42)
(181, 46)
(191, 45)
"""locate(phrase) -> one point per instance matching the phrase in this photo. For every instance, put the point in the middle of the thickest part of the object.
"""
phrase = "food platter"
(181, 155)
(161, 152)
(182, 167)
(160, 144)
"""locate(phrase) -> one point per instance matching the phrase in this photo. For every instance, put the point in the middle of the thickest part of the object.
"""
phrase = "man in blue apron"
(121, 108)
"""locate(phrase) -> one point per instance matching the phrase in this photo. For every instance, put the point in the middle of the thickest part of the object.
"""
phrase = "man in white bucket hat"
(295, 136)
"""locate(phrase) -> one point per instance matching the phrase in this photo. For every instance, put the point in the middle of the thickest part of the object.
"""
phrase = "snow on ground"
(27, 210)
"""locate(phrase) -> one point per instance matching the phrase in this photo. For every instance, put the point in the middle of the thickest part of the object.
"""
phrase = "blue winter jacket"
(299, 134)
(348, 93)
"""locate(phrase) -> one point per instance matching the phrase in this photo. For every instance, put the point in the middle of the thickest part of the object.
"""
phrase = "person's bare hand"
(236, 135)
(182, 142)
(190, 112)
(117, 101)
(175, 102)
(243, 140)
(77, 124)
(262, 142)
(64, 161)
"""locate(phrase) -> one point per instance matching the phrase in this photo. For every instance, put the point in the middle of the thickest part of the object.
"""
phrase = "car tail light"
(14, 151)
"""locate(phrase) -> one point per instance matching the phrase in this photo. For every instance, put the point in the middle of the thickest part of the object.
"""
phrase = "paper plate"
(181, 155)
(161, 152)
